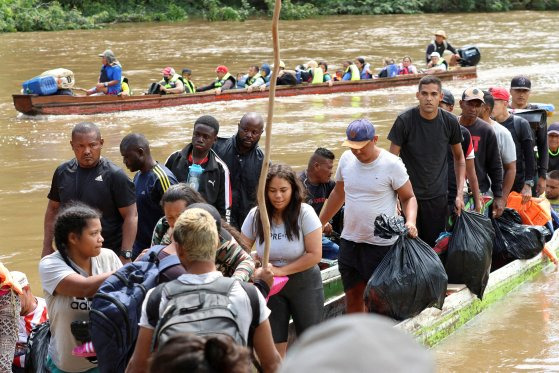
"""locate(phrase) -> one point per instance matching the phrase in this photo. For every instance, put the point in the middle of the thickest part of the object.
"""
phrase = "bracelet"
(106, 84)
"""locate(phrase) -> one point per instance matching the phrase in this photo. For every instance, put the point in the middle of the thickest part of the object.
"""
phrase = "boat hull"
(433, 325)
(84, 105)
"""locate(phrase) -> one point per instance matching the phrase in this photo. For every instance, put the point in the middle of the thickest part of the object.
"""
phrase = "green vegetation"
(48, 15)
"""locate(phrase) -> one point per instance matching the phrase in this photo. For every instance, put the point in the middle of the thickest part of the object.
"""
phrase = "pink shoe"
(85, 350)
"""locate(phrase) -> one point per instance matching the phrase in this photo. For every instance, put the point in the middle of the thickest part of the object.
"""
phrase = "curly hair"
(72, 219)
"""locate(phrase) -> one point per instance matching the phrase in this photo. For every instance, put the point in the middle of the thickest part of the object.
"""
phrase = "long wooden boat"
(432, 325)
(65, 105)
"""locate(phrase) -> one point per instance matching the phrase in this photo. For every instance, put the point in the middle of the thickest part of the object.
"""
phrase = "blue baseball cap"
(553, 128)
(359, 133)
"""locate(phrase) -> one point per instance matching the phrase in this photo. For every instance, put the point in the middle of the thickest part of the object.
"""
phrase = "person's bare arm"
(129, 226)
(139, 361)
(460, 172)
(395, 149)
(48, 226)
(474, 185)
(333, 204)
(265, 349)
(179, 88)
(508, 179)
(409, 204)
(76, 285)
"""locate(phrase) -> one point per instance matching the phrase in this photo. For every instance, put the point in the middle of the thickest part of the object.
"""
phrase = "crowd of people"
(440, 56)
(200, 207)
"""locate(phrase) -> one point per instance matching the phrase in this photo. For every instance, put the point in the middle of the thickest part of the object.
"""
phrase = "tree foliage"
(49, 15)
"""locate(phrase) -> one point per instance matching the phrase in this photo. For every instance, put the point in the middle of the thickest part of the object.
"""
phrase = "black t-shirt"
(489, 168)
(424, 149)
(317, 194)
(524, 142)
(466, 148)
(104, 187)
(553, 163)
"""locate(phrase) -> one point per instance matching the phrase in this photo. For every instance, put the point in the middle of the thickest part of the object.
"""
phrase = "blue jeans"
(330, 250)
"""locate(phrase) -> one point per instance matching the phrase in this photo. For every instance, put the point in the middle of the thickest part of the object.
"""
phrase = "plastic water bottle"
(194, 173)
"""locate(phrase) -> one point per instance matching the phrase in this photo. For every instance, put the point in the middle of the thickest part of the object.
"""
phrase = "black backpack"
(116, 308)
(199, 309)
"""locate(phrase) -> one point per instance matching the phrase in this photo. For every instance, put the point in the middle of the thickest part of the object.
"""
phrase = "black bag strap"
(252, 293)
(255, 306)
(152, 306)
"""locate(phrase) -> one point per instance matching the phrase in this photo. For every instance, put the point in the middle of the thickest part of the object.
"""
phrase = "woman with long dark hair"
(295, 250)
(70, 276)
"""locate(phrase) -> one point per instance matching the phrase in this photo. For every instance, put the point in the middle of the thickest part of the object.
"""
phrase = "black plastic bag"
(470, 251)
(38, 349)
(515, 240)
(409, 279)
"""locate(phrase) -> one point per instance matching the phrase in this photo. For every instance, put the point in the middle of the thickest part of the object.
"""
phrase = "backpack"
(203, 309)
(117, 306)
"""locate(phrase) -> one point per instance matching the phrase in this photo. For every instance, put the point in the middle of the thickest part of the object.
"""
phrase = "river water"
(32, 147)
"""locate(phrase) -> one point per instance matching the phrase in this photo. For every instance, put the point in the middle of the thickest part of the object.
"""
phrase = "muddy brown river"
(517, 334)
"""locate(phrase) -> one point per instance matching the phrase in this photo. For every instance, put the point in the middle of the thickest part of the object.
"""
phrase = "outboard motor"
(469, 55)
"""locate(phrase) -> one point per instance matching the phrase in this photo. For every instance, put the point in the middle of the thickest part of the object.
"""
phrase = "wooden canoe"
(433, 325)
(66, 105)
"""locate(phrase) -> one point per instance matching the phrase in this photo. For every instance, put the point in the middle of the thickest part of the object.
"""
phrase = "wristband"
(106, 84)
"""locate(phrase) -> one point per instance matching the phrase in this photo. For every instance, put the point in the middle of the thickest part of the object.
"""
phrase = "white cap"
(435, 54)
(20, 278)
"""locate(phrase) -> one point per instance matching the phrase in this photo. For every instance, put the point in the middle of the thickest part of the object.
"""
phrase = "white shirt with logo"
(63, 309)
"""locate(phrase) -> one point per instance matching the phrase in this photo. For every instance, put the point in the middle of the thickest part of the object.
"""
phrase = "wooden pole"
(264, 170)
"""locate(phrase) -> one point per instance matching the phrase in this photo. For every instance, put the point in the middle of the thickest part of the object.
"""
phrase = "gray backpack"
(199, 309)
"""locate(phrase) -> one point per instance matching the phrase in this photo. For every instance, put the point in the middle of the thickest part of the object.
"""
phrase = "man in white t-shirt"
(507, 148)
(196, 238)
(370, 181)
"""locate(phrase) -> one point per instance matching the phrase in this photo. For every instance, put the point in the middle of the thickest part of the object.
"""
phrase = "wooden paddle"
(264, 171)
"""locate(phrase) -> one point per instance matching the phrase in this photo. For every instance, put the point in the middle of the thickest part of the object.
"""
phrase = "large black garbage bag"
(469, 252)
(409, 279)
(38, 349)
(515, 240)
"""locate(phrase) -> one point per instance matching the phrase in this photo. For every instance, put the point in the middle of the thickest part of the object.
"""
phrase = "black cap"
(186, 71)
(520, 82)
(448, 98)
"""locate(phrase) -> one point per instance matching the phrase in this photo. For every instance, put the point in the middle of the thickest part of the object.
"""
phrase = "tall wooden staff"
(264, 170)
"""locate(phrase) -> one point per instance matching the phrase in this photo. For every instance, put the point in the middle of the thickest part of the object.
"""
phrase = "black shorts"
(358, 261)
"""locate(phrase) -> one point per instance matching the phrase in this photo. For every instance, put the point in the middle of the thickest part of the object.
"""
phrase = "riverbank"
(38, 15)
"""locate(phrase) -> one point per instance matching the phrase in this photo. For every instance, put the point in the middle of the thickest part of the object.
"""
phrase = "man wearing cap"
(523, 141)
(189, 85)
(489, 169)
(440, 45)
(437, 64)
(421, 136)
(553, 147)
(369, 180)
(110, 77)
(520, 89)
(244, 159)
(447, 104)
(33, 312)
(214, 183)
(223, 81)
(507, 149)
(171, 83)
